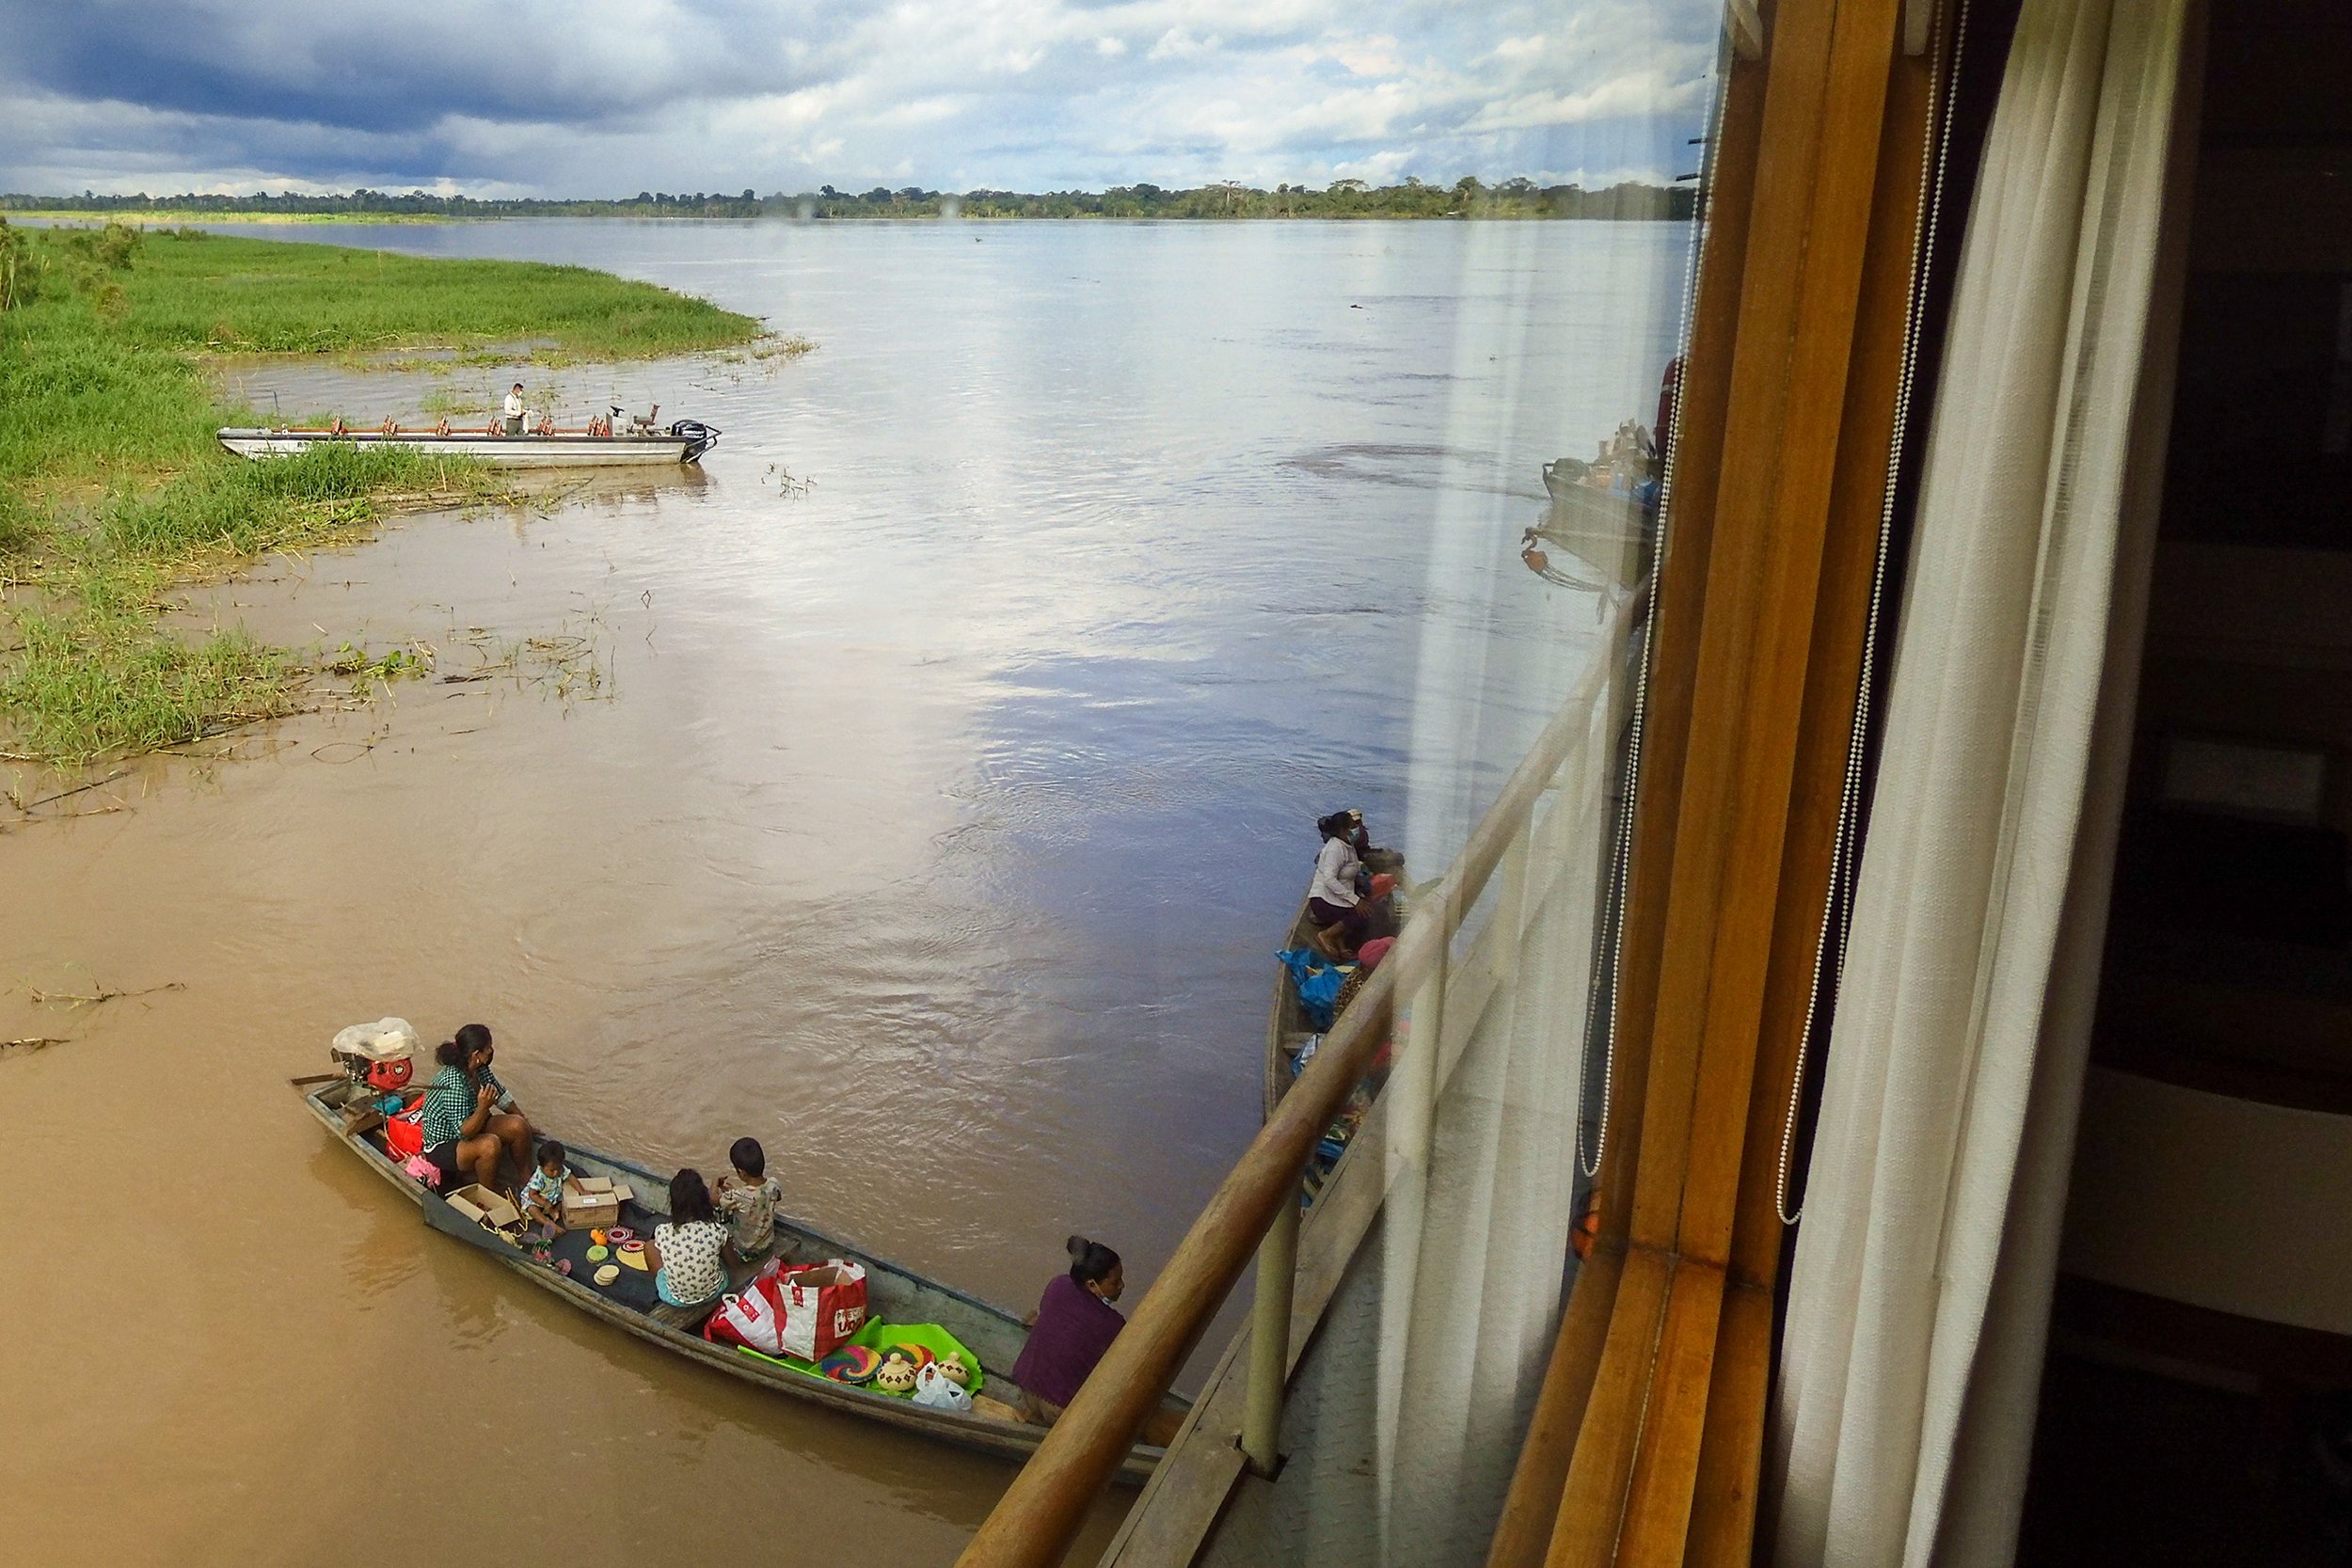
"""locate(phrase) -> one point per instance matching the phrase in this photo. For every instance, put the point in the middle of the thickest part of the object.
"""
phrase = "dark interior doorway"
(2172, 1431)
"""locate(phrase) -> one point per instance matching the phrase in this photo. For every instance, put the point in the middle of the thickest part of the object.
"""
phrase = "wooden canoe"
(1286, 1027)
(1613, 534)
(894, 1294)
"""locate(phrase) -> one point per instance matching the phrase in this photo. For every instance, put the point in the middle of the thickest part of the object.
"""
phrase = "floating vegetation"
(787, 482)
(29, 1043)
(94, 998)
(413, 659)
(439, 401)
(570, 666)
(782, 346)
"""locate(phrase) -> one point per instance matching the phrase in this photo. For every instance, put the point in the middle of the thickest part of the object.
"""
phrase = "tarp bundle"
(1318, 980)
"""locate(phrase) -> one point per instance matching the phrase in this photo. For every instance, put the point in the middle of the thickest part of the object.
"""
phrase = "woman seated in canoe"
(690, 1271)
(1074, 1325)
(466, 1130)
(1338, 899)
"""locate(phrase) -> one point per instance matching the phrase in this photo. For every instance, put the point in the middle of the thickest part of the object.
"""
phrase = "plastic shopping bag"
(824, 1304)
(938, 1390)
(751, 1319)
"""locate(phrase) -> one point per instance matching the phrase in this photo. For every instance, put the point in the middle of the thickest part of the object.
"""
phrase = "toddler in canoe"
(543, 1195)
(747, 1200)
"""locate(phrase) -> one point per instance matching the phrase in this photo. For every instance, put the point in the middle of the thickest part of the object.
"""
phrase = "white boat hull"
(564, 450)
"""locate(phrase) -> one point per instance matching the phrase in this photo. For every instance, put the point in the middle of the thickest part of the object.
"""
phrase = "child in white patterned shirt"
(543, 1195)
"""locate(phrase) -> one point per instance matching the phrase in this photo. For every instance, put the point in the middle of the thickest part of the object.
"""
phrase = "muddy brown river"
(921, 789)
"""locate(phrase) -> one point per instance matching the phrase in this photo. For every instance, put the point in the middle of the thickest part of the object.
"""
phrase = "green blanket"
(879, 1337)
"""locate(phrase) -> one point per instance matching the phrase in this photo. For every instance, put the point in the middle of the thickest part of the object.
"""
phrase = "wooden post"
(1270, 1342)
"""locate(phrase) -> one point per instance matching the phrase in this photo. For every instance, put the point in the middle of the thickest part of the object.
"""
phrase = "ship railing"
(1255, 1210)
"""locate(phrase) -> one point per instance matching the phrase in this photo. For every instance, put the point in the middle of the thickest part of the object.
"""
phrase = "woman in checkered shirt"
(465, 1132)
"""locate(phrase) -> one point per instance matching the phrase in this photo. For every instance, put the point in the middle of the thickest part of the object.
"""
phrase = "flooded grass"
(90, 674)
(438, 401)
(113, 488)
(196, 291)
(236, 509)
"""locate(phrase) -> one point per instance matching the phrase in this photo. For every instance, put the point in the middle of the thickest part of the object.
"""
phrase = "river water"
(921, 789)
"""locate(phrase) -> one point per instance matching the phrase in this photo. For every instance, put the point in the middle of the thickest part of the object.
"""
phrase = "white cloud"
(1178, 43)
(790, 94)
(1643, 92)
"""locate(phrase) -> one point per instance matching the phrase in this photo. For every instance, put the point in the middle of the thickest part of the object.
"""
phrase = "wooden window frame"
(1647, 1440)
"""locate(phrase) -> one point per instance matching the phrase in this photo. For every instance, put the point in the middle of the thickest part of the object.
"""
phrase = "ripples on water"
(1128, 550)
(945, 814)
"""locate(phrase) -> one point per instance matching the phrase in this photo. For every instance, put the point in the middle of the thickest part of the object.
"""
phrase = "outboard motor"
(699, 438)
(380, 1055)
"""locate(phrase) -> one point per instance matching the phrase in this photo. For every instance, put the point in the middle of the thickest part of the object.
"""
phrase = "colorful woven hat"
(921, 1356)
(851, 1364)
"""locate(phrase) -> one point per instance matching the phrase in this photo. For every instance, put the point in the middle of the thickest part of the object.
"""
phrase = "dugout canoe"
(894, 1294)
(682, 442)
(1613, 532)
(1286, 1028)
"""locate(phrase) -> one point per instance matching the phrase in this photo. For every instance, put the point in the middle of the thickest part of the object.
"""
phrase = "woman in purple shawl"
(1074, 1325)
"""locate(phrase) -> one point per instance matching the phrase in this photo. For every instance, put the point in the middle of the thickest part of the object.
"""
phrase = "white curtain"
(1919, 1295)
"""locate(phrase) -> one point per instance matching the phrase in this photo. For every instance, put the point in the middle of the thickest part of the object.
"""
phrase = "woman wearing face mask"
(1074, 1325)
(465, 1133)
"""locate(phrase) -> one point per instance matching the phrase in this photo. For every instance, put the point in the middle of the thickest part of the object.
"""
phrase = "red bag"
(403, 1134)
(752, 1318)
(824, 1303)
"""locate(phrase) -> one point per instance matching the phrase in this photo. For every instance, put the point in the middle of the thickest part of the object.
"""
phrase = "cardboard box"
(485, 1208)
(585, 1207)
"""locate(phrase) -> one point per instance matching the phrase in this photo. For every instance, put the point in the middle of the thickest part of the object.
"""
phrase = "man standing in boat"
(514, 410)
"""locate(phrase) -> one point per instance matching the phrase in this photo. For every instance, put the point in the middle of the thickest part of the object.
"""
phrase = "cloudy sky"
(608, 97)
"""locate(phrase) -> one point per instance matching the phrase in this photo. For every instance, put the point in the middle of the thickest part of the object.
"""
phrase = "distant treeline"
(1466, 197)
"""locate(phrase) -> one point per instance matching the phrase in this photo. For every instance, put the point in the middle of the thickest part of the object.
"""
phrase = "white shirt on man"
(514, 406)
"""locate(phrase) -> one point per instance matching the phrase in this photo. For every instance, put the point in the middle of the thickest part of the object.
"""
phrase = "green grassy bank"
(195, 212)
(113, 489)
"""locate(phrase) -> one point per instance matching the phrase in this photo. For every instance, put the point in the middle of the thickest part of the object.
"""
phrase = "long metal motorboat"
(602, 444)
